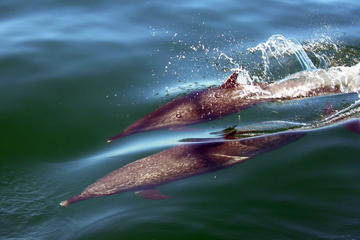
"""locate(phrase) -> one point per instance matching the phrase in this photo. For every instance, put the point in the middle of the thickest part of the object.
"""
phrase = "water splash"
(326, 52)
(198, 65)
(281, 56)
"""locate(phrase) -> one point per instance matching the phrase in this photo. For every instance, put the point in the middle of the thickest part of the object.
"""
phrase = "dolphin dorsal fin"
(152, 194)
(231, 82)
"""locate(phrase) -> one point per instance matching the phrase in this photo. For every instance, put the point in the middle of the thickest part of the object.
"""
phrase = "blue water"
(74, 74)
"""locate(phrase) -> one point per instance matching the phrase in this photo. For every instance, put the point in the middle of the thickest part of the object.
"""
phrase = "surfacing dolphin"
(142, 176)
(349, 116)
(233, 97)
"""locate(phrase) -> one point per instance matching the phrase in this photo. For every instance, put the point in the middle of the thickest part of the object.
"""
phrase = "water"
(74, 74)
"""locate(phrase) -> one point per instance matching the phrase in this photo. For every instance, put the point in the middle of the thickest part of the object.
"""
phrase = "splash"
(340, 79)
(281, 56)
(326, 52)
(201, 65)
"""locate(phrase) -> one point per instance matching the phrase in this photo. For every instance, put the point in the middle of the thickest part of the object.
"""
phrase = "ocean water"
(74, 74)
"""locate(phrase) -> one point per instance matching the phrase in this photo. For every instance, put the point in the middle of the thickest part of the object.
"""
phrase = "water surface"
(75, 74)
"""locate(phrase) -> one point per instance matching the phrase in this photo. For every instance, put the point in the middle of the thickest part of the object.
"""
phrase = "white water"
(347, 79)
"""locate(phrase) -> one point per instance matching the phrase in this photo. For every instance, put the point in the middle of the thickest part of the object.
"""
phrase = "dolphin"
(232, 97)
(182, 161)
(349, 116)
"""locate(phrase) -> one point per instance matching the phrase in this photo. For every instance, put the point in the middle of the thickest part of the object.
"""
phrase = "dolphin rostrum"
(182, 161)
(233, 97)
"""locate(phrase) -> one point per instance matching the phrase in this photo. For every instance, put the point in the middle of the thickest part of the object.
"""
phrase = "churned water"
(74, 74)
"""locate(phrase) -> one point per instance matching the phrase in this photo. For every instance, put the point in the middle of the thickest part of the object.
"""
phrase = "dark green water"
(75, 74)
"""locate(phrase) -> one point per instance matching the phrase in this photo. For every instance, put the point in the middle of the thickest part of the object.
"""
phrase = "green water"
(75, 74)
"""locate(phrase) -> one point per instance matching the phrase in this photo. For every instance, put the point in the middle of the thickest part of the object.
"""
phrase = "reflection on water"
(138, 144)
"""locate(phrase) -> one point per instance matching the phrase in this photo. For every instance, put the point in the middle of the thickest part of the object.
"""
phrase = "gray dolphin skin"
(182, 161)
(232, 97)
(350, 116)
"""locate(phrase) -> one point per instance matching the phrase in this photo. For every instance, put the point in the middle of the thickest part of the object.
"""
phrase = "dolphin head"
(192, 108)
(179, 112)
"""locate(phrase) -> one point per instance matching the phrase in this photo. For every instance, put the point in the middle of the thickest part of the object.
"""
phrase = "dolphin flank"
(233, 97)
(182, 161)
